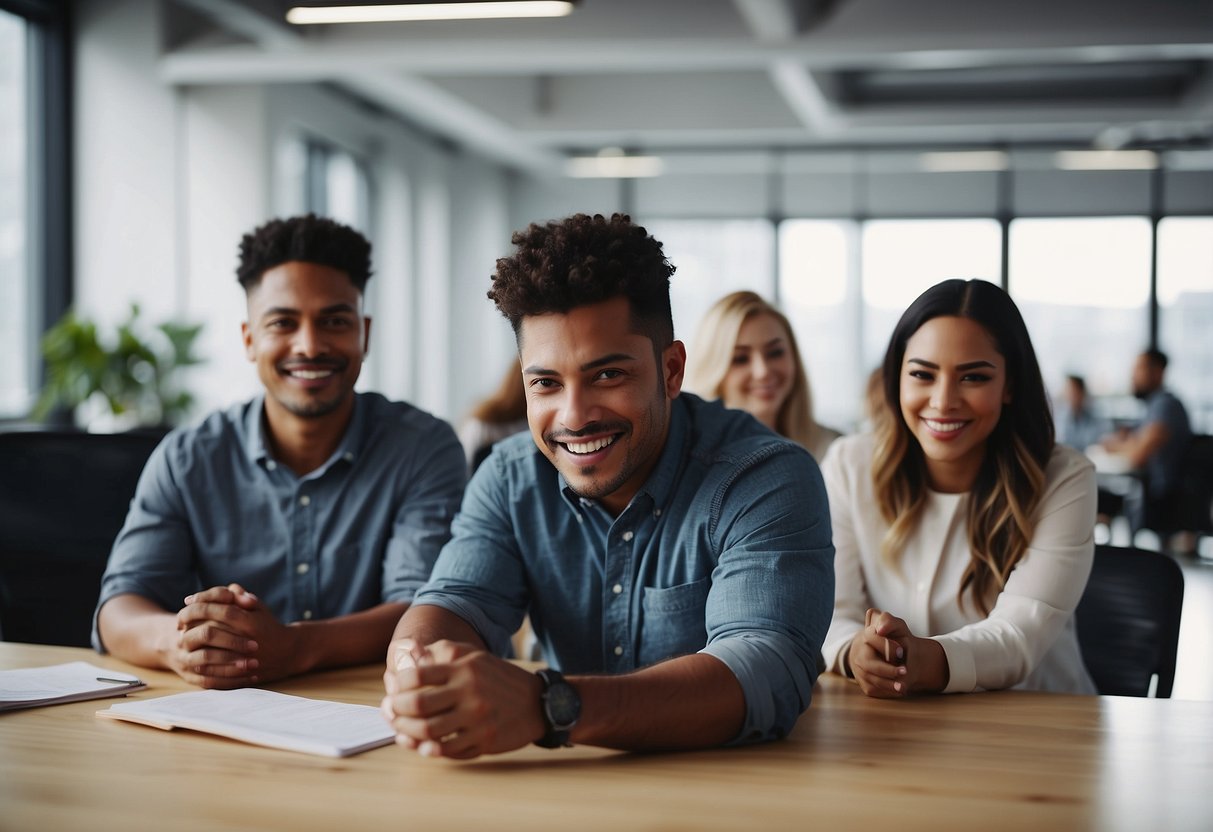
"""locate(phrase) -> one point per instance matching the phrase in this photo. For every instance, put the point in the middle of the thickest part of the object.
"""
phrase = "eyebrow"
(778, 339)
(328, 310)
(613, 358)
(971, 365)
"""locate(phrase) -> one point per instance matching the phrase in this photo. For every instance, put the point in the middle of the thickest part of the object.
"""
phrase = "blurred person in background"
(745, 354)
(1077, 423)
(1158, 444)
(500, 415)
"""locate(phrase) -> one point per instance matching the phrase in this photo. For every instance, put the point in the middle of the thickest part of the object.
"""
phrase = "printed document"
(263, 717)
(29, 687)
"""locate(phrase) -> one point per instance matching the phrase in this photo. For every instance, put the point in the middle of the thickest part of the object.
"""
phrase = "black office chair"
(1190, 507)
(63, 498)
(1128, 621)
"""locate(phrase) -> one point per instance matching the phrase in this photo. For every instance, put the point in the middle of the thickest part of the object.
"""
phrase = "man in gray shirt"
(1160, 441)
(290, 532)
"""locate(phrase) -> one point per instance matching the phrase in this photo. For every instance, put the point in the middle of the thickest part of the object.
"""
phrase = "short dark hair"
(1156, 357)
(1078, 381)
(309, 239)
(583, 260)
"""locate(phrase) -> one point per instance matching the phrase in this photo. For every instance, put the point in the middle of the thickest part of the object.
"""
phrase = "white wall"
(169, 179)
(481, 342)
(225, 153)
(126, 164)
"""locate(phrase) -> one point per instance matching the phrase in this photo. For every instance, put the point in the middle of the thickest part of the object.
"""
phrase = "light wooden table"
(988, 761)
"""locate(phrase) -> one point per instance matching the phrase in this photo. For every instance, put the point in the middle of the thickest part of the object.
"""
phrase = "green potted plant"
(131, 375)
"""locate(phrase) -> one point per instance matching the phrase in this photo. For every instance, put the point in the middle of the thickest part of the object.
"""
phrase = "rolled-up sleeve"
(422, 522)
(153, 555)
(479, 575)
(773, 586)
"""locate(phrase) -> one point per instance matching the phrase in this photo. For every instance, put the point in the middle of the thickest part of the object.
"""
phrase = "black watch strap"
(560, 706)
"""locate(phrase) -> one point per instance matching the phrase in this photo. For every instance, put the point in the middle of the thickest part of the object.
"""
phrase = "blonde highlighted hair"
(711, 356)
(1009, 484)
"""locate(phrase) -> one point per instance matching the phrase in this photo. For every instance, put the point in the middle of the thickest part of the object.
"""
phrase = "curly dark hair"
(310, 239)
(583, 260)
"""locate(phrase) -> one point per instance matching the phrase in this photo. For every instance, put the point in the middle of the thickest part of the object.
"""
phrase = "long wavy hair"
(508, 401)
(1011, 478)
(711, 356)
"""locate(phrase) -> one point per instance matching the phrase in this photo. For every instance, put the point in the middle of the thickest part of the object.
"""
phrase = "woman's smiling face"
(760, 376)
(953, 387)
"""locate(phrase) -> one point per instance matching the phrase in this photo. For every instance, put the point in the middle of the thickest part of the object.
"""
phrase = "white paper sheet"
(262, 717)
(30, 687)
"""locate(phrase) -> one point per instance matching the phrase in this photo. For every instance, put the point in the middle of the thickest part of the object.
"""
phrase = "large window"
(1185, 301)
(902, 258)
(337, 186)
(1083, 287)
(713, 258)
(16, 362)
(819, 292)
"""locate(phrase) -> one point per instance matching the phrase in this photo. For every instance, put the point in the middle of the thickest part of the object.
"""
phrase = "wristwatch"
(561, 709)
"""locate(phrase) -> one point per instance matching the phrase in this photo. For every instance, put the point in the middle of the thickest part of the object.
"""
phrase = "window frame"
(48, 196)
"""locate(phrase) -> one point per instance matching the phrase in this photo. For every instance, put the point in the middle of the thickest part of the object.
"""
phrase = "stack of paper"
(72, 682)
(263, 717)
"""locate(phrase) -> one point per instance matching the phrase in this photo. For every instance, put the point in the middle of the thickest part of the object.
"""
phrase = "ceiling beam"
(320, 61)
(775, 21)
(805, 99)
(783, 19)
(769, 20)
(415, 99)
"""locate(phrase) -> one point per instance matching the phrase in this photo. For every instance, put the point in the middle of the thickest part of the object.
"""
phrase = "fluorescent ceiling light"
(613, 164)
(1105, 159)
(305, 15)
(963, 160)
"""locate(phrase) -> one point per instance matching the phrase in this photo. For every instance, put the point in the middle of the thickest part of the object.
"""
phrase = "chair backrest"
(1196, 497)
(1128, 620)
(63, 498)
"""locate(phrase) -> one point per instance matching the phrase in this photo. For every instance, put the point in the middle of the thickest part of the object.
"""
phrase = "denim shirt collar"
(348, 449)
(662, 478)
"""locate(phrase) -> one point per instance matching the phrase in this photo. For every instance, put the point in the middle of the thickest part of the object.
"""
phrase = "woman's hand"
(889, 662)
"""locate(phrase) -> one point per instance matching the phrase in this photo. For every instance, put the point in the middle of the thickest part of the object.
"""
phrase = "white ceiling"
(666, 75)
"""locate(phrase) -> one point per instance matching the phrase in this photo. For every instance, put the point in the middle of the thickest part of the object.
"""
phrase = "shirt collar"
(348, 449)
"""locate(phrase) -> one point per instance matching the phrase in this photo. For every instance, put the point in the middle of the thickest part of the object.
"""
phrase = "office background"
(839, 156)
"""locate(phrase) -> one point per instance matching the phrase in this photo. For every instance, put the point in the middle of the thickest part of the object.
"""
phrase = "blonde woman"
(745, 354)
(962, 531)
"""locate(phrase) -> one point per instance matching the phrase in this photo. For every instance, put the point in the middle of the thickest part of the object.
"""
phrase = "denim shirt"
(725, 550)
(213, 506)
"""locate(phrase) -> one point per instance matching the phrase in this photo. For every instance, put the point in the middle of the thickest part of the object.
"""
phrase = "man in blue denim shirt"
(675, 557)
(287, 533)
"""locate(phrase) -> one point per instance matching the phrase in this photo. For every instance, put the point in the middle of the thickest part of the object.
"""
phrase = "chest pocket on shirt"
(673, 620)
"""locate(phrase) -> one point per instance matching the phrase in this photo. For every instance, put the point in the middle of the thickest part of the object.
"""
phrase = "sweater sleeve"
(1041, 592)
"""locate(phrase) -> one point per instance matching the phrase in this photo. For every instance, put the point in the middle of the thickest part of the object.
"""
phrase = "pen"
(120, 681)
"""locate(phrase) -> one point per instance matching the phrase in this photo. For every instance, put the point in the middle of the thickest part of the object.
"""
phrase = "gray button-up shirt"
(725, 550)
(214, 507)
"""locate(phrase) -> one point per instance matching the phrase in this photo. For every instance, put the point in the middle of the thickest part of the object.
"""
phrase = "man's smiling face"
(308, 337)
(597, 402)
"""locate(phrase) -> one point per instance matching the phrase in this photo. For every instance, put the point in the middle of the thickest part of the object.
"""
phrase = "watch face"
(563, 705)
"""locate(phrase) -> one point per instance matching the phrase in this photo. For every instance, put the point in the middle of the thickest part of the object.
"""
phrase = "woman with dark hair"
(963, 532)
